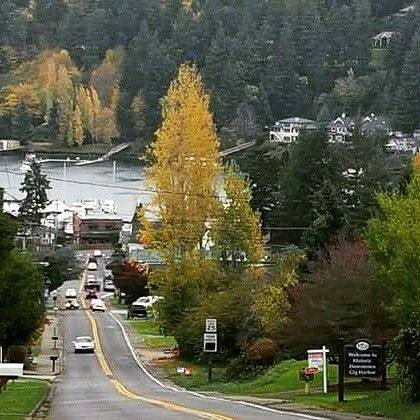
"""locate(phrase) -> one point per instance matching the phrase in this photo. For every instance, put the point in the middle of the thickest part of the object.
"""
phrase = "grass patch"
(281, 378)
(159, 341)
(370, 403)
(145, 326)
(20, 398)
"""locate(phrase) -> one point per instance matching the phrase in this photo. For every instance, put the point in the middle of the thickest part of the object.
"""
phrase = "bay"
(71, 183)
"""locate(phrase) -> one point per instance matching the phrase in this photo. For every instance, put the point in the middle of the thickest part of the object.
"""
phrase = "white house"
(382, 40)
(287, 131)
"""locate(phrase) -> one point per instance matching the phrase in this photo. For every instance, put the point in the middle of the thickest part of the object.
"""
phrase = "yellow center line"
(124, 391)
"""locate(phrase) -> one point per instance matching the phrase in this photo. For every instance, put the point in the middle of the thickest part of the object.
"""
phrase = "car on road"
(136, 310)
(91, 294)
(97, 305)
(84, 344)
(97, 253)
(148, 301)
(92, 282)
(72, 304)
(92, 266)
(71, 293)
(109, 286)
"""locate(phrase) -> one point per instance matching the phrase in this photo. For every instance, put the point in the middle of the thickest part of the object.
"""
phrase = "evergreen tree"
(407, 110)
(34, 186)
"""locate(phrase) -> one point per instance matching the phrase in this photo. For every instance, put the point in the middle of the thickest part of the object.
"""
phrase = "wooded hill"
(260, 60)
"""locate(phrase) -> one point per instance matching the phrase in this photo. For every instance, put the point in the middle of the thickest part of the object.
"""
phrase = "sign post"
(210, 342)
(318, 359)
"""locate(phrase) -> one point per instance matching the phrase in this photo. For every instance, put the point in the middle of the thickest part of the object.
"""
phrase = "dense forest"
(96, 70)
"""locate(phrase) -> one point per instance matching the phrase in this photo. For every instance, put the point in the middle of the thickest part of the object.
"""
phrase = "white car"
(97, 253)
(97, 305)
(148, 301)
(84, 343)
(109, 286)
(71, 293)
(72, 304)
(92, 266)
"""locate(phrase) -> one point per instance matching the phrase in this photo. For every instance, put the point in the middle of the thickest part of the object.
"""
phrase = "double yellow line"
(124, 391)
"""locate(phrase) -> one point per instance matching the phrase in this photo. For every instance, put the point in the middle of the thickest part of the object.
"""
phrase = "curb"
(40, 403)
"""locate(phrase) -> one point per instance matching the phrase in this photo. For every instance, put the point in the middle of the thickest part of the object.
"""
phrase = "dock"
(106, 156)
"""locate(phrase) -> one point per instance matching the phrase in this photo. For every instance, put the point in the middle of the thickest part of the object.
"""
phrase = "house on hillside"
(287, 131)
(382, 40)
(341, 129)
(9, 145)
(399, 142)
(406, 11)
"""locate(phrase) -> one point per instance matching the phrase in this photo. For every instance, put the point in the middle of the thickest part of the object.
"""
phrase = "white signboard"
(11, 369)
(211, 325)
(315, 359)
(318, 359)
(210, 343)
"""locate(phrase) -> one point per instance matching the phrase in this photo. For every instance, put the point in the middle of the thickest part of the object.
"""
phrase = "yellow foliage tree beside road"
(186, 165)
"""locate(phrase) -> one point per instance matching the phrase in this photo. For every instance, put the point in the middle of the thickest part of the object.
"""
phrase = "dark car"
(91, 294)
(136, 310)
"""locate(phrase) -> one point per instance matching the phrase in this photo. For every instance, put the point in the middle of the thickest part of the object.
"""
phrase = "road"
(110, 385)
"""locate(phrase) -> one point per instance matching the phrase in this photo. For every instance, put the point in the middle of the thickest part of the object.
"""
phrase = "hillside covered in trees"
(78, 71)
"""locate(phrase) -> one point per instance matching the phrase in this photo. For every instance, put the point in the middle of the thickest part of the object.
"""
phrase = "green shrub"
(406, 351)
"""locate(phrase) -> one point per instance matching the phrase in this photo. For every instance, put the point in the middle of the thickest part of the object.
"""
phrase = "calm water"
(96, 181)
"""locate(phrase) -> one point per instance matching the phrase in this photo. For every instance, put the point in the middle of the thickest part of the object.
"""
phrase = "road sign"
(211, 325)
(210, 343)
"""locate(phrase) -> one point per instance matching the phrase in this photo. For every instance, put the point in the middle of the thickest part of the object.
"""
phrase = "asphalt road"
(110, 385)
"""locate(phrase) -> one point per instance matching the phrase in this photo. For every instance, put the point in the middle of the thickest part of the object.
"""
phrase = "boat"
(26, 164)
(108, 206)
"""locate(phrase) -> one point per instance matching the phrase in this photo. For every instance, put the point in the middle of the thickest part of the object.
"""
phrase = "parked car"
(71, 293)
(136, 310)
(72, 304)
(148, 301)
(92, 266)
(97, 253)
(109, 286)
(97, 305)
(84, 344)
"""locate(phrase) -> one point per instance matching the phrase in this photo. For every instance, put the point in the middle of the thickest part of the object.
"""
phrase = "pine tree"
(35, 186)
(407, 102)
(186, 165)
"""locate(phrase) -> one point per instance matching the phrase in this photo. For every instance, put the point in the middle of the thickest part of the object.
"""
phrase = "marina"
(118, 181)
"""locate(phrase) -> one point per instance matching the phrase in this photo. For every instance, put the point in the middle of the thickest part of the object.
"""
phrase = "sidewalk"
(49, 346)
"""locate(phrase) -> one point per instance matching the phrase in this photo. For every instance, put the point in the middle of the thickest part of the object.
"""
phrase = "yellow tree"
(65, 92)
(77, 126)
(186, 166)
(84, 101)
(96, 111)
(106, 125)
(237, 231)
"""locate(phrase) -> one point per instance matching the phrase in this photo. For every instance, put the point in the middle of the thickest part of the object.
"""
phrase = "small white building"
(9, 145)
(382, 40)
(287, 131)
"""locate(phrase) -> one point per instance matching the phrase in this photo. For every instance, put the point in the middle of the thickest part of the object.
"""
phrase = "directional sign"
(210, 343)
(211, 325)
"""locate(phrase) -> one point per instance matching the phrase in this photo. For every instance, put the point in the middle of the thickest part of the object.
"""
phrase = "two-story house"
(287, 131)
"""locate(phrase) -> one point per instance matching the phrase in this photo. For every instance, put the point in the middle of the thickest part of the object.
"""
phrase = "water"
(90, 182)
